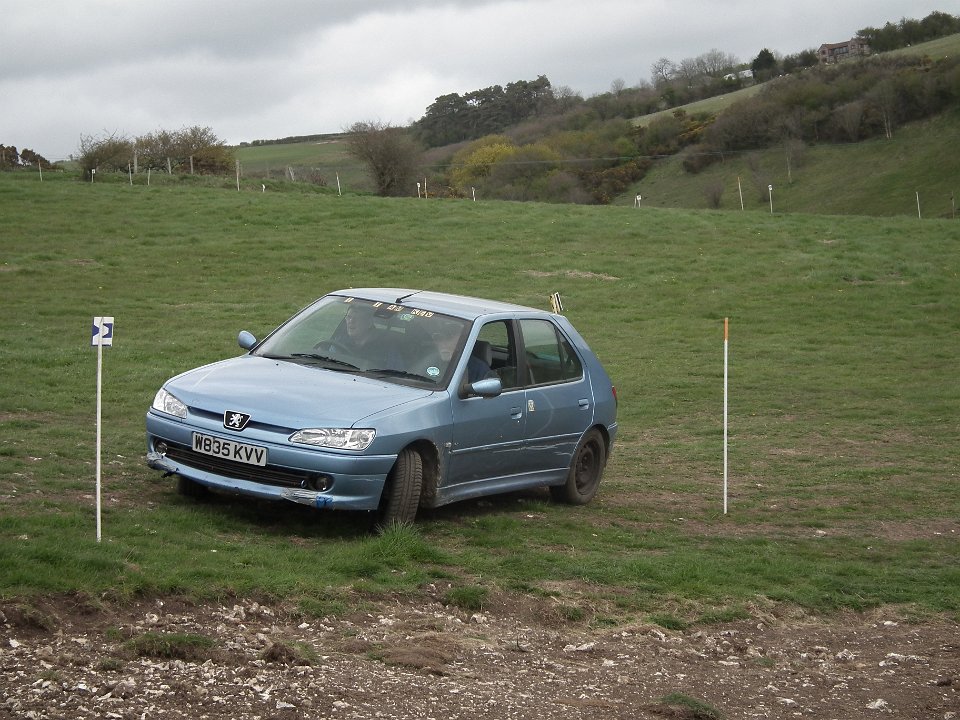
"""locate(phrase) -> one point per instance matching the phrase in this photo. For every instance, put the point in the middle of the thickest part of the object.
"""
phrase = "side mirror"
(246, 340)
(487, 388)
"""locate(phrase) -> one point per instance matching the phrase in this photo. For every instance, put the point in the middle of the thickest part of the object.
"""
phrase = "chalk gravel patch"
(68, 660)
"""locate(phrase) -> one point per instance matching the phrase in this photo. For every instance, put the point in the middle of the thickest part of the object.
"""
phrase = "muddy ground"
(167, 658)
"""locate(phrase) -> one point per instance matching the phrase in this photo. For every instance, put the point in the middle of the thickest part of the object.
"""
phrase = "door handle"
(516, 413)
(583, 402)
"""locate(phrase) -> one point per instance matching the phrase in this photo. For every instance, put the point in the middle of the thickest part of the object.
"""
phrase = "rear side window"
(549, 356)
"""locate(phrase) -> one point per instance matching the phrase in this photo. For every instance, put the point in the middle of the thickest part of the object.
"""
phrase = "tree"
(452, 118)
(172, 150)
(798, 61)
(390, 154)
(662, 71)
(111, 152)
(716, 63)
(764, 64)
(909, 32)
(474, 162)
(9, 157)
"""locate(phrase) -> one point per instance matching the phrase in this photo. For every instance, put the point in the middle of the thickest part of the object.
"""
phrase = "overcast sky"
(256, 69)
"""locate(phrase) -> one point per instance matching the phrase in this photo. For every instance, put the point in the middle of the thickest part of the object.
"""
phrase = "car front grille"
(266, 475)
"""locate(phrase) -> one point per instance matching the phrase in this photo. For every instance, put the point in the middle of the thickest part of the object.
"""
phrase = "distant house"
(835, 52)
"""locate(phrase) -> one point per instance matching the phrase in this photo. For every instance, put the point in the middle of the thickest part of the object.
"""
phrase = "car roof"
(459, 305)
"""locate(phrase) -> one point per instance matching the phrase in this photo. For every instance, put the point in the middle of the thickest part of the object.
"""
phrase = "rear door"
(558, 398)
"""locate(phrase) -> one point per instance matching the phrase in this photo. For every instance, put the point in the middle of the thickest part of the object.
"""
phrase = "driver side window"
(502, 341)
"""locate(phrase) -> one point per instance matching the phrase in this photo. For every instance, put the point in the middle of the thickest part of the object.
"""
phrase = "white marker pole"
(99, 386)
(102, 335)
(726, 335)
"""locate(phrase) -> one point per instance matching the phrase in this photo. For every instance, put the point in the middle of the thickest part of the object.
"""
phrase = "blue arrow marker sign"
(102, 333)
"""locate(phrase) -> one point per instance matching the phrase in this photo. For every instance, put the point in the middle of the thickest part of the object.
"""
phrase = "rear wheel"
(401, 496)
(586, 469)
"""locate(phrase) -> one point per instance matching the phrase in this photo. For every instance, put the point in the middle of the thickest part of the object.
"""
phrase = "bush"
(701, 157)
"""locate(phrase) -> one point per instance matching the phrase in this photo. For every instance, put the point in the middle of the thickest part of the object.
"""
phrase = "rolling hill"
(876, 177)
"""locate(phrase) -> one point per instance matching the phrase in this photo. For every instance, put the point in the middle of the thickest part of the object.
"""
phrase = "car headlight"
(339, 438)
(166, 403)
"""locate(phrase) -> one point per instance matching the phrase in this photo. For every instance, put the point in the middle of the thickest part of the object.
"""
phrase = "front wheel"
(586, 469)
(401, 495)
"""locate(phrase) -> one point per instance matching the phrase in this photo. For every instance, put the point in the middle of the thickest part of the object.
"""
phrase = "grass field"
(327, 159)
(844, 339)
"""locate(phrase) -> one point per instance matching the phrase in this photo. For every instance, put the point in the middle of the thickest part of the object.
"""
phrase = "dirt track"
(71, 658)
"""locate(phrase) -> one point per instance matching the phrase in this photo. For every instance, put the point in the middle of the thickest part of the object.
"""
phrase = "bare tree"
(689, 70)
(111, 152)
(390, 154)
(713, 192)
(566, 98)
(849, 118)
(715, 63)
(795, 150)
(663, 71)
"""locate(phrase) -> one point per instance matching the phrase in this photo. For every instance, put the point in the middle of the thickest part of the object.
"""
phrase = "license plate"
(230, 450)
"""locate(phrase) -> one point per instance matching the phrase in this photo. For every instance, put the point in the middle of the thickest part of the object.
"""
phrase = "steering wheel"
(328, 345)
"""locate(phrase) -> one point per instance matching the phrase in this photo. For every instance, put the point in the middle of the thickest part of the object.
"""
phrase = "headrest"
(484, 351)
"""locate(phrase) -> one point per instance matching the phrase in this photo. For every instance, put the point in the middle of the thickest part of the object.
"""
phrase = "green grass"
(935, 49)
(169, 646)
(844, 338)
(687, 707)
(712, 105)
(327, 158)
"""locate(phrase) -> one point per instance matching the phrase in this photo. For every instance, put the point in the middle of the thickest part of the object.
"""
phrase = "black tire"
(189, 488)
(401, 496)
(586, 469)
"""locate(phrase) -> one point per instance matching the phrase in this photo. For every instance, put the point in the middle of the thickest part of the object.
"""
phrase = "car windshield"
(395, 342)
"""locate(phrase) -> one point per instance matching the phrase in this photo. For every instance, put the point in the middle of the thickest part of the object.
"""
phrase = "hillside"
(873, 177)
(877, 177)
(318, 161)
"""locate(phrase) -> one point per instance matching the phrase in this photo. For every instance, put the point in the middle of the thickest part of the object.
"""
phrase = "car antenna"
(403, 298)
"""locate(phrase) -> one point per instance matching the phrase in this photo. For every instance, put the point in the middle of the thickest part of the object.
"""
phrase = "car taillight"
(613, 389)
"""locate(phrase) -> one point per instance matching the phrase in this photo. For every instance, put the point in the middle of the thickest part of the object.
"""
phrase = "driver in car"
(364, 340)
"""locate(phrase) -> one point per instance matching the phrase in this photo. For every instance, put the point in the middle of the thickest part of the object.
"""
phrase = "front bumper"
(351, 481)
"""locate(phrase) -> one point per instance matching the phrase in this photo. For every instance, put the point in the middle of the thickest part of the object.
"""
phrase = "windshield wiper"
(391, 372)
(322, 358)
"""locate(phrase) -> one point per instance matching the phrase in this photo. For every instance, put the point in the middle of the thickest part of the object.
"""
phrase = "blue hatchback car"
(390, 400)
